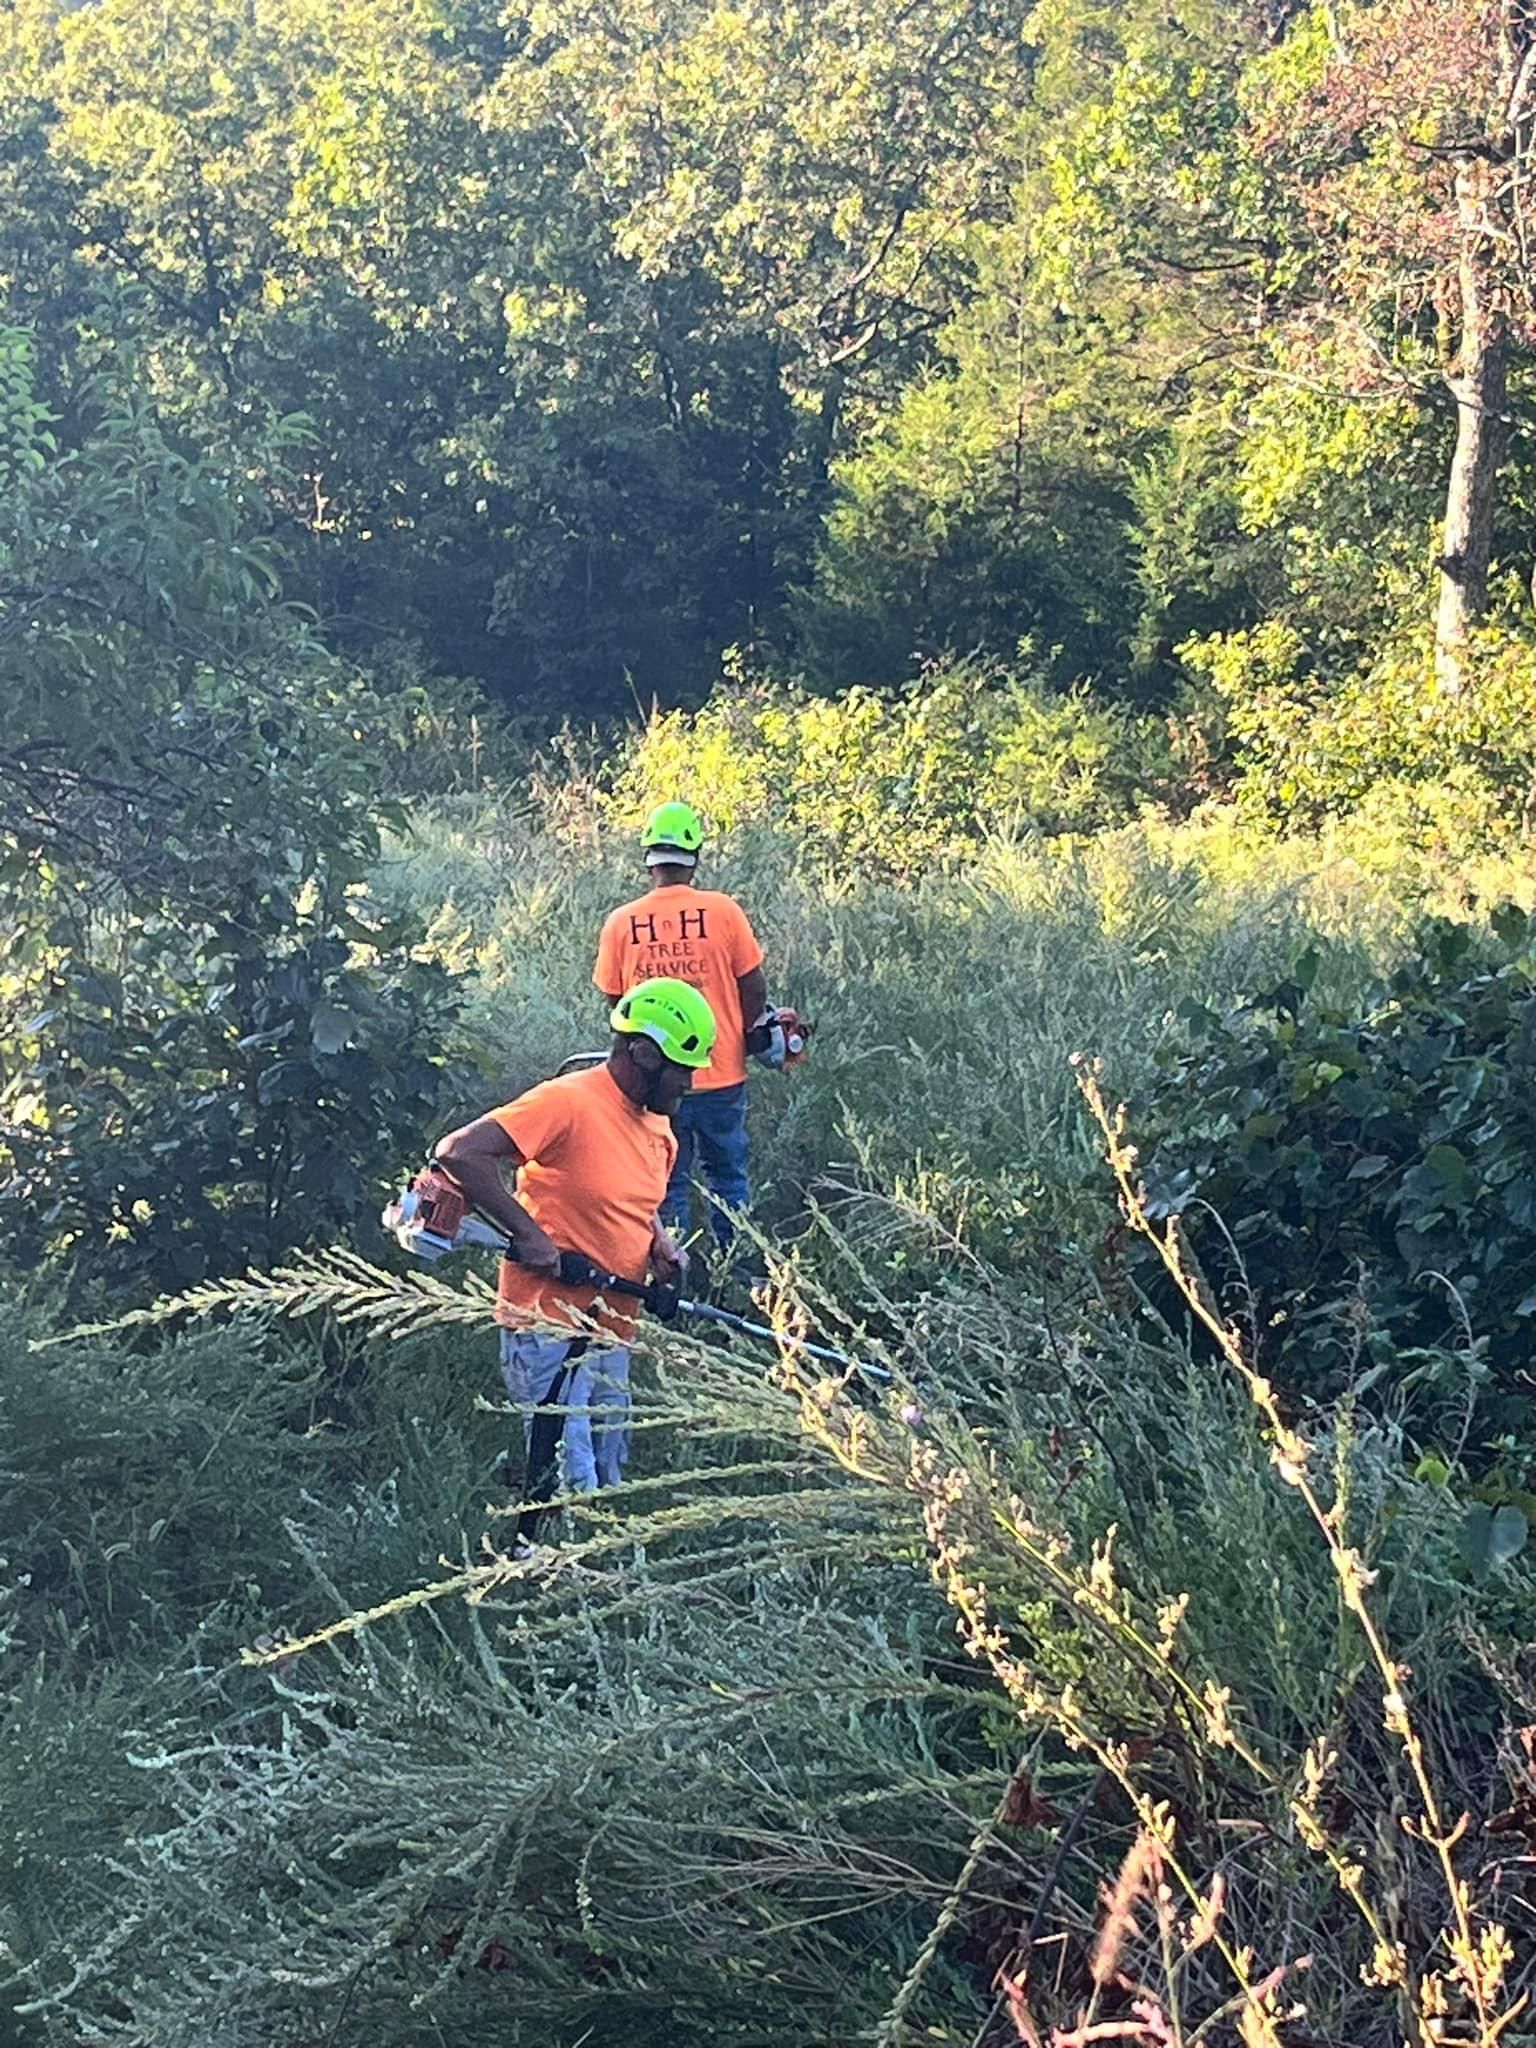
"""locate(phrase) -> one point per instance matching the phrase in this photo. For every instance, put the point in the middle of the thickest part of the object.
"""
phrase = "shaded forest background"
(564, 350)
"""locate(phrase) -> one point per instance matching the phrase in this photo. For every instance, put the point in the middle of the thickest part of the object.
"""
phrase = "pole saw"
(431, 1218)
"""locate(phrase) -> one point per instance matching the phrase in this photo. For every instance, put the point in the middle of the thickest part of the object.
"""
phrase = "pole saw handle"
(432, 1218)
(577, 1270)
(666, 1304)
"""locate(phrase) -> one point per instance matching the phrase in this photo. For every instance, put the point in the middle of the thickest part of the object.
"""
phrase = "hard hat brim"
(653, 1033)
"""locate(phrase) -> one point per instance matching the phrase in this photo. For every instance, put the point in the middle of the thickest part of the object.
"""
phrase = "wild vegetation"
(1053, 484)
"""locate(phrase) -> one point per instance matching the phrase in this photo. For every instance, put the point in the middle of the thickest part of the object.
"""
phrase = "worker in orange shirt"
(703, 937)
(592, 1152)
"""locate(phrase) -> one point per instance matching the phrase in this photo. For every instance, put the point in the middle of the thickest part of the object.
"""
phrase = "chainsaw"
(431, 1218)
(780, 1038)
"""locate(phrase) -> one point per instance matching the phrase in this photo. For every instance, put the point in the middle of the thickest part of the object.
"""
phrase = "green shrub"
(171, 1116)
(141, 1490)
(1362, 1178)
(893, 781)
(1385, 739)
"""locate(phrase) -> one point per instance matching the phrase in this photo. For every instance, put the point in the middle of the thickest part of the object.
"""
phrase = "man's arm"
(477, 1157)
(607, 968)
(752, 987)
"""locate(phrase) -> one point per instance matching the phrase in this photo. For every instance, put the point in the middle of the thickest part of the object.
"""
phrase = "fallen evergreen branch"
(336, 1282)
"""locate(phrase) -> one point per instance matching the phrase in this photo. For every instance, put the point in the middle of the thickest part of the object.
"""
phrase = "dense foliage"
(893, 781)
(209, 1047)
(1360, 1179)
(570, 349)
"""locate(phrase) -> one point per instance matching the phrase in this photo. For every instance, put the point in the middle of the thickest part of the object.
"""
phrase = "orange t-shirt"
(695, 935)
(594, 1172)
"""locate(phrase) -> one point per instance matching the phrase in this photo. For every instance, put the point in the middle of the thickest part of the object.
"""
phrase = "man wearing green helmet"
(703, 937)
(592, 1153)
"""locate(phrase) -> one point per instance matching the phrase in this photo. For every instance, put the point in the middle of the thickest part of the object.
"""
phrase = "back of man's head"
(672, 841)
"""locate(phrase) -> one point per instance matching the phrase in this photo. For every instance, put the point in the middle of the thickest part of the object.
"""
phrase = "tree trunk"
(1480, 388)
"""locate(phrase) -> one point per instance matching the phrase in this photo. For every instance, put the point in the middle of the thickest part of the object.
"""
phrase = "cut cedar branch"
(337, 1283)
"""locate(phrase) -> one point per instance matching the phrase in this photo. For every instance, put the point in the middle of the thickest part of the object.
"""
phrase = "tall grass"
(719, 1777)
(946, 1011)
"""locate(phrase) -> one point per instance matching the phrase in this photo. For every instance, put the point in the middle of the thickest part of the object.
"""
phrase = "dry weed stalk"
(1438, 2002)
(963, 1514)
(1148, 2014)
(958, 1519)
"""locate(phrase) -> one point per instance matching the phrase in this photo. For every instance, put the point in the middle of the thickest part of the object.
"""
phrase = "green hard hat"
(673, 1015)
(674, 828)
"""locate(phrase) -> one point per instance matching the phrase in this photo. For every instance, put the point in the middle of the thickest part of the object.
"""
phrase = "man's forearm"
(752, 990)
(484, 1188)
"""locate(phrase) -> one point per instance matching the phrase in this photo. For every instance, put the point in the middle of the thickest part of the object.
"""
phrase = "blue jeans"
(713, 1125)
(594, 1442)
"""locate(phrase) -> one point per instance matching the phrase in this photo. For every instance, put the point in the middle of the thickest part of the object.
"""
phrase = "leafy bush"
(169, 1116)
(208, 1048)
(1362, 1179)
(954, 528)
(1386, 740)
(893, 781)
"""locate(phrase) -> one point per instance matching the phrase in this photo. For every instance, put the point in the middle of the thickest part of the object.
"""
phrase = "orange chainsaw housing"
(797, 1035)
(442, 1207)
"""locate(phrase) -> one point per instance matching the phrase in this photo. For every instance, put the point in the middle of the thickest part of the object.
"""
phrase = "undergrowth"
(1071, 1690)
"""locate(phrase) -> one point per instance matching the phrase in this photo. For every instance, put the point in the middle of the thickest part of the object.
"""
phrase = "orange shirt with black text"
(595, 1168)
(693, 935)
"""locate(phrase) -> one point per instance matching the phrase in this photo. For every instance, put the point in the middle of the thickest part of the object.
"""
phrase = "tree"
(770, 220)
(1406, 130)
(1065, 475)
(209, 1045)
(979, 517)
(818, 166)
(576, 304)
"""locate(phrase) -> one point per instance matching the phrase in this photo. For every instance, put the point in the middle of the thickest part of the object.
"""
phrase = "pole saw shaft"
(707, 1312)
(431, 1219)
(578, 1270)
